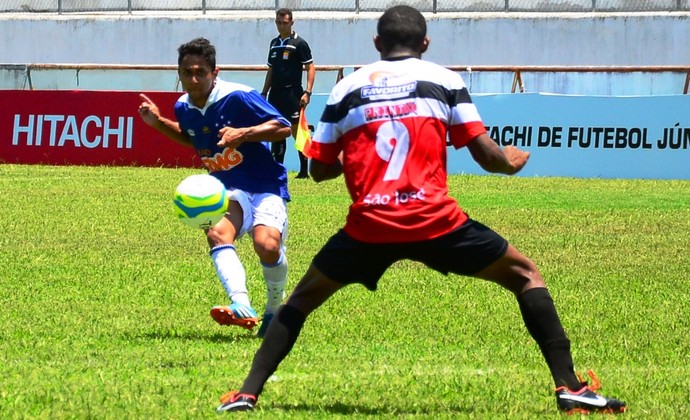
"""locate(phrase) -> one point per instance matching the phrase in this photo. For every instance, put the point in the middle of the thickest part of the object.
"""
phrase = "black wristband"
(307, 92)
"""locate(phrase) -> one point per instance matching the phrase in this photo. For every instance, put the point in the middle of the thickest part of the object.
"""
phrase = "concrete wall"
(344, 38)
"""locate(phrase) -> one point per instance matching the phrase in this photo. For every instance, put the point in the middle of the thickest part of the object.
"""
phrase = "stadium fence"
(432, 6)
(590, 80)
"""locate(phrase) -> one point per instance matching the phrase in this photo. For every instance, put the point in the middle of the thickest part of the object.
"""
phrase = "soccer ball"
(200, 201)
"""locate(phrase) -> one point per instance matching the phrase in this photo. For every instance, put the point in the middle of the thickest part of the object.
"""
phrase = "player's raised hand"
(516, 158)
(148, 110)
(492, 158)
(231, 137)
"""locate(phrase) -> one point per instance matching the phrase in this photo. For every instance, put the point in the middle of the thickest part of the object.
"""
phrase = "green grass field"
(105, 300)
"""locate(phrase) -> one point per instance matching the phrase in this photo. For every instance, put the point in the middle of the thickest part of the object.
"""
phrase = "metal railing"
(356, 6)
(516, 73)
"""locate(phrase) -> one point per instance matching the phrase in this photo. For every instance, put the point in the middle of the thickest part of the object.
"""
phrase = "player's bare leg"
(518, 274)
(310, 293)
(221, 240)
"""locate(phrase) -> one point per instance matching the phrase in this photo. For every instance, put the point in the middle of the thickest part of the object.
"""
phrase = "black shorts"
(286, 101)
(465, 251)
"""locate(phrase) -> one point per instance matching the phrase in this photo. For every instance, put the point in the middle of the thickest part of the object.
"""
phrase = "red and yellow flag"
(303, 137)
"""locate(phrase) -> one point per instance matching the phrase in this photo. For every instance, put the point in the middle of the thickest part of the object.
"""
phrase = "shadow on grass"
(212, 337)
(348, 409)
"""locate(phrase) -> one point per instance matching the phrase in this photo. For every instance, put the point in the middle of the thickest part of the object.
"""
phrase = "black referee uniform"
(286, 58)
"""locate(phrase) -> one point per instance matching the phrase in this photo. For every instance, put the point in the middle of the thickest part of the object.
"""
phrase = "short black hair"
(401, 26)
(198, 46)
(284, 12)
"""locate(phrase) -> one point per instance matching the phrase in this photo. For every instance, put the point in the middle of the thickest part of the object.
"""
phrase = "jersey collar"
(293, 35)
(399, 58)
(212, 97)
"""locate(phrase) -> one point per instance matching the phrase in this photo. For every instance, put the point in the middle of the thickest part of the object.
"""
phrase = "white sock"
(275, 276)
(231, 273)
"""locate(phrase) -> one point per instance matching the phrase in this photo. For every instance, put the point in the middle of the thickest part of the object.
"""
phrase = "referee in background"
(288, 55)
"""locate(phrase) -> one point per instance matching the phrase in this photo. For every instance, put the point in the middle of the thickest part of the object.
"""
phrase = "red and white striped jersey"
(392, 120)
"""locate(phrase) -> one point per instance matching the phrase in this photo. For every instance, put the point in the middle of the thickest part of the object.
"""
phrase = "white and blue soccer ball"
(200, 201)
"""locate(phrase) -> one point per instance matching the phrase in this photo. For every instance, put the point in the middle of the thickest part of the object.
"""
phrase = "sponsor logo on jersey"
(380, 78)
(386, 85)
(396, 199)
(390, 111)
(224, 161)
(388, 92)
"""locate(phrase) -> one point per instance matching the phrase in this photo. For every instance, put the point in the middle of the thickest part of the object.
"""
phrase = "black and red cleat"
(234, 401)
(586, 400)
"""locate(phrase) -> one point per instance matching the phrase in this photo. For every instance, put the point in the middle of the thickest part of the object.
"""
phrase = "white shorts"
(261, 209)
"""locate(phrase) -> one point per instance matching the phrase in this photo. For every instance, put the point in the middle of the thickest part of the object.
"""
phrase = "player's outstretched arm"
(271, 130)
(509, 160)
(149, 112)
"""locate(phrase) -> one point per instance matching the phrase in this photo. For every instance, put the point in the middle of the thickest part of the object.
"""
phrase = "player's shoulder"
(183, 99)
(437, 74)
(361, 77)
(385, 71)
(298, 39)
(225, 92)
(224, 88)
(387, 75)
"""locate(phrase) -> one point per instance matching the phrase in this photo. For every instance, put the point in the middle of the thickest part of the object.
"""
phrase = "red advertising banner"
(59, 127)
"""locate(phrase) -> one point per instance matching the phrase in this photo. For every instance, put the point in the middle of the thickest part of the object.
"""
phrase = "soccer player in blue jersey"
(230, 126)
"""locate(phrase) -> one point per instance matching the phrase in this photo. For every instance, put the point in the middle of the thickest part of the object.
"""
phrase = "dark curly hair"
(284, 12)
(401, 26)
(198, 46)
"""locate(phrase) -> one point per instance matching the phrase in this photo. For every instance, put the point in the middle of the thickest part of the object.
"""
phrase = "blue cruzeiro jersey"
(251, 167)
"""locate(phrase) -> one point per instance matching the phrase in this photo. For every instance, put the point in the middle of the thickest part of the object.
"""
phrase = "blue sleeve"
(180, 109)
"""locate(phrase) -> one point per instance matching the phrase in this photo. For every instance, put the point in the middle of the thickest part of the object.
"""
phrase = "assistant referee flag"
(303, 137)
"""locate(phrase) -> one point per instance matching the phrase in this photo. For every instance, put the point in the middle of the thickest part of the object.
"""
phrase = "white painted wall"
(344, 38)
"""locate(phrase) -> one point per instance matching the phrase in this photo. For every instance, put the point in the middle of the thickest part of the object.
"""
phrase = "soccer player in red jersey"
(385, 129)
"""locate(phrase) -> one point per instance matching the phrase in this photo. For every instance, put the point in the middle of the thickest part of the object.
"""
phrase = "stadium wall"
(345, 38)
(597, 137)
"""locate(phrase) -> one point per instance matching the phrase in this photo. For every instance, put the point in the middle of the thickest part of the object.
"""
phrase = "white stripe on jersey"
(383, 73)
(326, 133)
(219, 91)
(465, 113)
(414, 70)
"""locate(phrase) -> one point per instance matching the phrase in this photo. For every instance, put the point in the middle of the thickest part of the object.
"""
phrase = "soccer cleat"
(586, 400)
(234, 401)
(265, 322)
(235, 314)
